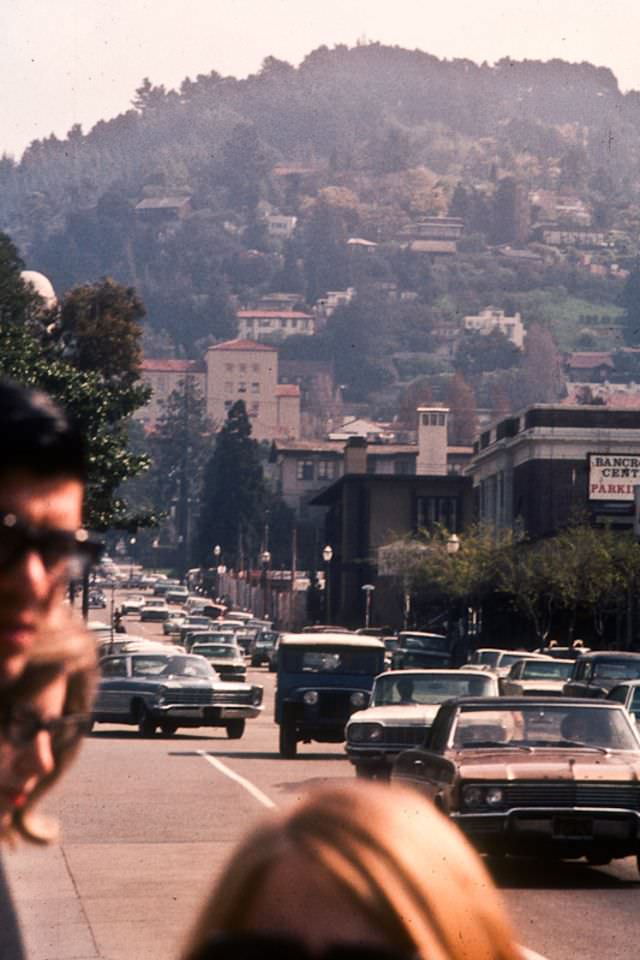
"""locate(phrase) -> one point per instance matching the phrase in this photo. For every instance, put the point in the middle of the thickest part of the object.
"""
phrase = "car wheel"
(168, 729)
(365, 773)
(146, 723)
(288, 741)
(235, 729)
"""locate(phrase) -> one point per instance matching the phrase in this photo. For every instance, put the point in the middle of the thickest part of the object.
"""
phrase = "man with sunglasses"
(42, 542)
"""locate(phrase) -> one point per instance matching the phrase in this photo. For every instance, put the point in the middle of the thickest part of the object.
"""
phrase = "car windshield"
(488, 657)
(198, 621)
(415, 642)
(331, 660)
(531, 725)
(162, 666)
(546, 670)
(407, 688)
(218, 650)
(617, 669)
(507, 659)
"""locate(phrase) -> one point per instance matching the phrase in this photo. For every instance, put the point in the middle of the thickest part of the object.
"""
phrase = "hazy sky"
(79, 61)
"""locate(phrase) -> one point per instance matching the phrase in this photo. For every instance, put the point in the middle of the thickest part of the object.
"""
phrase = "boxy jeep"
(322, 679)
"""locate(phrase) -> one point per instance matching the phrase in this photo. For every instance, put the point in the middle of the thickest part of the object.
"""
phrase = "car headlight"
(364, 732)
(358, 699)
(494, 796)
(474, 796)
(256, 696)
(161, 697)
(310, 697)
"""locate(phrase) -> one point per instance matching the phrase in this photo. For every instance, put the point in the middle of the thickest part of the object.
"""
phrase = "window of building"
(255, 388)
(255, 368)
(438, 510)
(283, 323)
(294, 323)
(326, 469)
(242, 387)
(228, 367)
(305, 470)
(242, 368)
(254, 409)
(227, 404)
(402, 467)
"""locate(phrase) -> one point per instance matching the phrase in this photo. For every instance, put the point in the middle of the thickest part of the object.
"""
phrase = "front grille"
(335, 704)
(233, 696)
(572, 794)
(190, 697)
(402, 737)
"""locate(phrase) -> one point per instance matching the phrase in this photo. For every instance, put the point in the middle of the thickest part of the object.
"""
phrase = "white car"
(534, 677)
(133, 604)
(154, 610)
(403, 707)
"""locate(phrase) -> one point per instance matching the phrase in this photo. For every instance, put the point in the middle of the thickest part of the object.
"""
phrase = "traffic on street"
(154, 806)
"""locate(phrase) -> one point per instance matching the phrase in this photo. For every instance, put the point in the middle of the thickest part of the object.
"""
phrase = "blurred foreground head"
(42, 477)
(43, 715)
(360, 870)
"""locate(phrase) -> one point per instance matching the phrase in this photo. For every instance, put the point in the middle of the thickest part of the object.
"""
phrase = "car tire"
(365, 773)
(235, 729)
(288, 741)
(168, 729)
(146, 723)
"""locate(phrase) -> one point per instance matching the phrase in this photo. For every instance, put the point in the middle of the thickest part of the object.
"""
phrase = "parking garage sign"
(613, 476)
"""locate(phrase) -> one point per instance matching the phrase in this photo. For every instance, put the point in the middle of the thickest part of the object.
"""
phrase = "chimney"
(355, 455)
(432, 441)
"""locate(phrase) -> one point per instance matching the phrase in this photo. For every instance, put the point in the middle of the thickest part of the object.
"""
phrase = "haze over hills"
(357, 143)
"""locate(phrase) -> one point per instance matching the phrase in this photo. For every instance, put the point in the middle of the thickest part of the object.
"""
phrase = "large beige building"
(164, 376)
(246, 370)
(275, 323)
(235, 370)
(491, 319)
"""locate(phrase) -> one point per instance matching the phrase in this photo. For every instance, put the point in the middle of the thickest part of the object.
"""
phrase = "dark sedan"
(544, 776)
(151, 690)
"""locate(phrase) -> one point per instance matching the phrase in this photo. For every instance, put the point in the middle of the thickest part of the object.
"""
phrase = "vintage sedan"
(227, 659)
(628, 694)
(542, 776)
(417, 649)
(403, 706)
(535, 677)
(151, 690)
(595, 674)
(155, 610)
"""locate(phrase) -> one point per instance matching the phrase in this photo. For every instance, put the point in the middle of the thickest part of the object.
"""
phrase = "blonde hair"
(64, 650)
(392, 856)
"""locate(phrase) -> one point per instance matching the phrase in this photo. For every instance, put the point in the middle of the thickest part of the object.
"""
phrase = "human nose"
(36, 758)
(30, 575)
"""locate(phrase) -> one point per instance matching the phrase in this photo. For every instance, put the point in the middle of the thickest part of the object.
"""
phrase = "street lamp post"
(453, 545)
(368, 589)
(266, 562)
(132, 544)
(327, 556)
(217, 551)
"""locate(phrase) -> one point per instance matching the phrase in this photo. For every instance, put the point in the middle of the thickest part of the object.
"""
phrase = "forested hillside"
(354, 143)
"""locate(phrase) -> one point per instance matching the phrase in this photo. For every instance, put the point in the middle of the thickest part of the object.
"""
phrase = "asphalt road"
(147, 823)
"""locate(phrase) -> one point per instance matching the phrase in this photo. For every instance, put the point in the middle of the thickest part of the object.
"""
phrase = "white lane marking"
(531, 954)
(248, 786)
(268, 802)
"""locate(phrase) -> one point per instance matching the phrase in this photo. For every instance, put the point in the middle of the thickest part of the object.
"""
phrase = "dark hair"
(37, 435)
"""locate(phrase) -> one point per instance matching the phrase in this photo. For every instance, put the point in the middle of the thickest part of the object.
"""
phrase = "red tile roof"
(287, 390)
(290, 314)
(172, 366)
(587, 361)
(243, 345)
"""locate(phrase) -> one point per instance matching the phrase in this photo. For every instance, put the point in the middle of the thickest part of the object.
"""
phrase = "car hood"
(542, 685)
(398, 715)
(543, 763)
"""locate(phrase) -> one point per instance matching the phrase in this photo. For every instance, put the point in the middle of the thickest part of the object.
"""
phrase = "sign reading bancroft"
(613, 476)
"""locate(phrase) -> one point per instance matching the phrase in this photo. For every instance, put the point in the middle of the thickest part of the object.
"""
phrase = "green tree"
(630, 301)
(481, 353)
(234, 494)
(101, 405)
(100, 329)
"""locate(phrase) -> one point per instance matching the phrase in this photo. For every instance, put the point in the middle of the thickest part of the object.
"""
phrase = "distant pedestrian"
(358, 871)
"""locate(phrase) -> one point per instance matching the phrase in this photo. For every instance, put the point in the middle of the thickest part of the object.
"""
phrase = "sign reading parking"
(613, 476)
